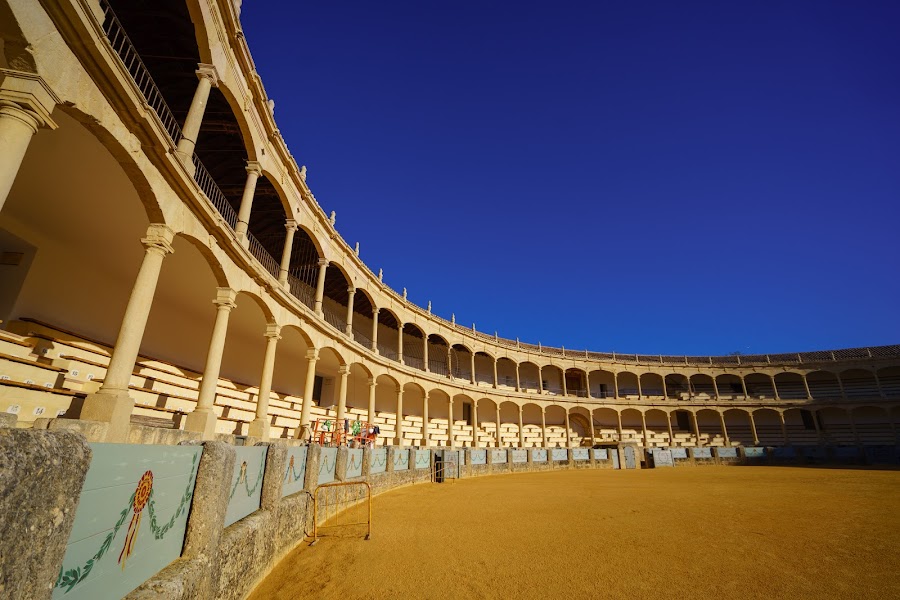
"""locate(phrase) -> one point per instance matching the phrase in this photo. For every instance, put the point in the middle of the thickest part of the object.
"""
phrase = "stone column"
(375, 330)
(540, 380)
(372, 385)
(472, 357)
(774, 387)
(111, 403)
(744, 387)
(696, 428)
(259, 427)
(343, 372)
(544, 426)
(591, 421)
(243, 218)
(753, 428)
(425, 354)
(203, 418)
(399, 432)
(320, 287)
(425, 439)
(25, 106)
(449, 361)
(644, 426)
(724, 428)
(877, 384)
(499, 437)
(209, 78)
(671, 433)
(400, 343)
(290, 227)
(619, 420)
(665, 391)
(715, 387)
(495, 373)
(806, 387)
(450, 441)
(616, 386)
(819, 437)
(640, 391)
(568, 435)
(841, 385)
(351, 292)
(521, 429)
(587, 386)
(852, 425)
(475, 442)
(784, 433)
(562, 378)
(518, 383)
(312, 355)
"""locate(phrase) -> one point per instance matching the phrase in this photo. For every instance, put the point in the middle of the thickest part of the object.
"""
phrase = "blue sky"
(651, 176)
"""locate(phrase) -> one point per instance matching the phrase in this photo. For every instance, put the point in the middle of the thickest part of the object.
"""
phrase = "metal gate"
(446, 466)
(615, 457)
(629, 457)
(336, 502)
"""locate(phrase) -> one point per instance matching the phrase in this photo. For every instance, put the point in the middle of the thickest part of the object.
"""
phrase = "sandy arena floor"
(711, 532)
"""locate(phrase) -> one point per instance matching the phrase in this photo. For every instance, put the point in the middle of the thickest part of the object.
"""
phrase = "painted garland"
(242, 478)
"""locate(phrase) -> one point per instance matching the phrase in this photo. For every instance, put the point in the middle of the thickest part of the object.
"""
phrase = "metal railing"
(215, 196)
(264, 258)
(302, 291)
(362, 339)
(387, 352)
(333, 318)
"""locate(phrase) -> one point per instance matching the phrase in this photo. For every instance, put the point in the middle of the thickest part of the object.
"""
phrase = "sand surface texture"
(712, 532)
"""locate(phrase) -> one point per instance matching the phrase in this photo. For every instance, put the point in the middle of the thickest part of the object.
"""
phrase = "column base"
(259, 428)
(303, 433)
(202, 421)
(187, 161)
(113, 407)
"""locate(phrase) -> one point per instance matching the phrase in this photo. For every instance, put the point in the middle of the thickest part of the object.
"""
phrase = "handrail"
(215, 196)
(262, 255)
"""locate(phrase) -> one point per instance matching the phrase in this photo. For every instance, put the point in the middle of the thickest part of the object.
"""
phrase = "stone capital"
(351, 290)
(344, 370)
(225, 298)
(253, 168)
(323, 262)
(290, 225)
(159, 237)
(312, 354)
(209, 72)
(273, 331)
(371, 381)
(30, 94)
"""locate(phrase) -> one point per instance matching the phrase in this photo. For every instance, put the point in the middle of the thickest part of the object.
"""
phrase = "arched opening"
(438, 356)
(632, 426)
(738, 423)
(873, 427)
(729, 386)
(388, 334)
(414, 414)
(336, 297)
(628, 384)
(790, 386)
(531, 424)
(702, 385)
(460, 362)
(602, 384)
(576, 383)
(652, 385)
(303, 270)
(529, 377)
(438, 405)
(509, 423)
(657, 428)
(889, 377)
(556, 427)
(484, 369)
(463, 420)
(358, 392)
(606, 425)
(413, 346)
(835, 425)
(800, 426)
(823, 385)
(551, 378)
(363, 315)
(710, 427)
(580, 425)
(266, 228)
(289, 380)
(768, 427)
(859, 383)
(677, 386)
(759, 386)
(386, 407)
(506, 373)
(486, 425)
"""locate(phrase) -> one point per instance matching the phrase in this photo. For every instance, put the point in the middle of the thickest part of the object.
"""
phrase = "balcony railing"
(362, 339)
(215, 196)
(334, 319)
(302, 291)
(264, 258)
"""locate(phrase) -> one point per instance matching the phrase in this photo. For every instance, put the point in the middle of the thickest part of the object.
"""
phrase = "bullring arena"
(193, 357)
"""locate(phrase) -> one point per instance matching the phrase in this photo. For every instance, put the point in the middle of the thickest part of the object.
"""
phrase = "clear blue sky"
(645, 176)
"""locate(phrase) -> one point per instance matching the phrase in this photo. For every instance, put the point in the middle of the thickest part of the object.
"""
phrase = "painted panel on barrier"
(754, 452)
(295, 473)
(401, 460)
(881, 454)
(559, 454)
(846, 452)
(246, 482)
(327, 465)
(727, 452)
(600, 453)
(423, 459)
(498, 456)
(814, 452)
(354, 462)
(580, 454)
(702, 452)
(662, 458)
(539, 455)
(520, 456)
(478, 457)
(679, 453)
(784, 452)
(379, 460)
(127, 485)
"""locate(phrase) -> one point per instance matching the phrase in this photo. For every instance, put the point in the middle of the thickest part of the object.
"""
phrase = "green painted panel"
(354, 462)
(423, 459)
(136, 496)
(401, 460)
(295, 473)
(246, 482)
(379, 461)
(327, 464)
(498, 457)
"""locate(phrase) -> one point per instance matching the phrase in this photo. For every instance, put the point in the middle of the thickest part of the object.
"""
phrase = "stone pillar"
(472, 361)
(562, 377)
(852, 426)
(343, 373)
(521, 430)
(724, 428)
(518, 383)
(425, 440)
(375, 330)
(111, 403)
(806, 387)
(744, 387)
(696, 428)
(784, 433)
(243, 218)
(320, 287)
(475, 442)
(774, 387)
(372, 385)
(753, 428)
(568, 435)
(351, 292)
(644, 427)
(25, 106)
(425, 354)
(540, 381)
(841, 385)
(290, 227)
(312, 355)
(209, 78)
(665, 391)
(399, 432)
(499, 437)
(203, 418)
(495, 373)
(544, 426)
(400, 343)
(715, 387)
(877, 384)
(619, 422)
(259, 427)
(450, 441)
(640, 391)
(671, 433)
(616, 390)
(819, 437)
(591, 422)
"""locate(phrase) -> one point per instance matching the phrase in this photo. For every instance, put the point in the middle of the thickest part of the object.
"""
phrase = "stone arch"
(737, 421)
(16, 53)
(531, 423)
(529, 376)
(602, 383)
(658, 425)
